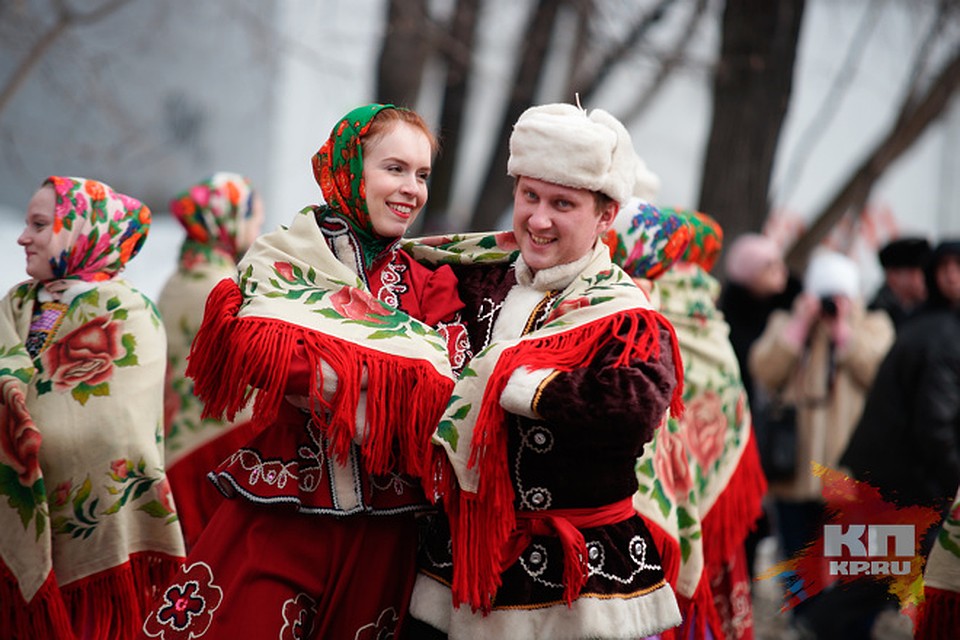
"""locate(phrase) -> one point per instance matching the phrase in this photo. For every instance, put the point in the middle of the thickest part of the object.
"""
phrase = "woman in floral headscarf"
(348, 344)
(88, 531)
(222, 216)
(701, 481)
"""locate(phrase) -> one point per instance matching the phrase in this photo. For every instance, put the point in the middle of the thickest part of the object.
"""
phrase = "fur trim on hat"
(562, 144)
(648, 183)
(830, 274)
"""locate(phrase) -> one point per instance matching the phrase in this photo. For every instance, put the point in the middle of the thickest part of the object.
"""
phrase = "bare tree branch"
(459, 71)
(590, 81)
(583, 9)
(818, 124)
(496, 188)
(910, 125)
(669, 63)
(66, 18)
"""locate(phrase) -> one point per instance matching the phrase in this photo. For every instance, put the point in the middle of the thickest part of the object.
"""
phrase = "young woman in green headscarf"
(348, 343)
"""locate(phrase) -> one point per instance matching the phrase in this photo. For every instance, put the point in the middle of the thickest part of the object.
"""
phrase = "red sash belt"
(566, 525)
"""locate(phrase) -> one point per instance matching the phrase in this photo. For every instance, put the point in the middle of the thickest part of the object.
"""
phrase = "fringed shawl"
(87, 525)
(293, 294)
(939, 615)
(600, 305)
(219, 219)
(702, 471)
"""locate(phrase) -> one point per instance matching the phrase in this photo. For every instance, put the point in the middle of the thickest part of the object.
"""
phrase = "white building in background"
(161, 94)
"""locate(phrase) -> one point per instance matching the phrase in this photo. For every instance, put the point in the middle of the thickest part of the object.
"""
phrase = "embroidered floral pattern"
(646, 241)
(187, 606)
(298, 617)
(383, 629)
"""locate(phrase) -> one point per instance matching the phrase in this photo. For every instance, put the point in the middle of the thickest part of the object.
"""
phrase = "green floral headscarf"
(338, 168)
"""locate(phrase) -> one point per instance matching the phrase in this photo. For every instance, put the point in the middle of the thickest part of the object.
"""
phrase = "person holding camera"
(821, 357)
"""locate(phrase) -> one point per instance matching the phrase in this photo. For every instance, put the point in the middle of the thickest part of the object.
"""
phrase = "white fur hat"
(560, 143)
(830, 273)
(648, 183)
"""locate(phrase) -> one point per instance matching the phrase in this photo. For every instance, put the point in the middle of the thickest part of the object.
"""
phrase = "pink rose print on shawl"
(567, 306)
(187, 606)
(354, 304)
(285, 269)
(298, 618)
(85, 355)
(165, 496)
(118, 468)
(19, 437)
(705, 426)
(61, 494)
(670, 464)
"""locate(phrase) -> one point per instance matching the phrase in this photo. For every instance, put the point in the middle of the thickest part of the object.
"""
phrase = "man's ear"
(607, 215)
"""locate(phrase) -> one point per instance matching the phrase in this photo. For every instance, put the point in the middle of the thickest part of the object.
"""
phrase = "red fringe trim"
(669, 549)
(737, 509)
(110, 605)
(699, 614)
(231, 357)
(481, 523)
(45, 616)
(939, 615)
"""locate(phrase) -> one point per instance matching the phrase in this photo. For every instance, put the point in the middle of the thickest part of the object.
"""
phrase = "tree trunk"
(459, 67)
(752, 87)
(495, 194)
(915, 116)
(403, 53)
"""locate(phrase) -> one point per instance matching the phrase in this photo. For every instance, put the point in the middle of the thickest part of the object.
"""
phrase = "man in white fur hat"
(574, 371)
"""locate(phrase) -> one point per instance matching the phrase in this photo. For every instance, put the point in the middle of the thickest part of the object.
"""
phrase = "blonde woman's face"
(396, 167)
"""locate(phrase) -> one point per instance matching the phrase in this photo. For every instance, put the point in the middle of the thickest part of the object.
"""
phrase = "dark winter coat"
(907, 442)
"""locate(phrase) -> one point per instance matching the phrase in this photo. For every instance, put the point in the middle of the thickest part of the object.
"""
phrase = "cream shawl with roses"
(85, 509)
(295, 294)
(701, 479)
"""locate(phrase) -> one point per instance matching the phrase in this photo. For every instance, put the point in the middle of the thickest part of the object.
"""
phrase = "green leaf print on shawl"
(294, 293)
(699, 479)
(83, 361)
(81, 383)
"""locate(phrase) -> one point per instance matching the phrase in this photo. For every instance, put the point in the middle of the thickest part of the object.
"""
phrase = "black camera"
(828, 306)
